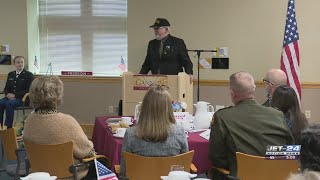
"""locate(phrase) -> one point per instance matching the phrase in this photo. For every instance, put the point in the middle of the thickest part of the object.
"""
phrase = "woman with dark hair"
(285, 99)
(309, 158)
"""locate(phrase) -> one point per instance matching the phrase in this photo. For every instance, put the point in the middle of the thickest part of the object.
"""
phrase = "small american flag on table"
(103, 173)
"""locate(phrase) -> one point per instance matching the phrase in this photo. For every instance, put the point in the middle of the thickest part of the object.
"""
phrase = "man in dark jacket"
(273, 79)
(17, 85)
(247, 127)
(166, 54)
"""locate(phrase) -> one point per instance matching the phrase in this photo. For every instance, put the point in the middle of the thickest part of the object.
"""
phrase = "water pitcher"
(202, 118)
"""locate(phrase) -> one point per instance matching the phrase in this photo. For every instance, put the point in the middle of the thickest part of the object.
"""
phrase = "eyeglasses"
(267, 81)
(157, 28)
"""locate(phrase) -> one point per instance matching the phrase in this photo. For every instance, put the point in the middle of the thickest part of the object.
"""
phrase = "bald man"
(273, 79)
(247, 127)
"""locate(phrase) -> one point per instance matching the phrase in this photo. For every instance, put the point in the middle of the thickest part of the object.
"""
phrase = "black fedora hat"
(160, 22)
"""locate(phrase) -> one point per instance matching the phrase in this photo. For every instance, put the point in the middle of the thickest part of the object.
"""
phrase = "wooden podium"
(134, 87)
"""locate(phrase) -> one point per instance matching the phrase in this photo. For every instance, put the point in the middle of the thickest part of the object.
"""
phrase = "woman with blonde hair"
(48, 126)
(156, 133)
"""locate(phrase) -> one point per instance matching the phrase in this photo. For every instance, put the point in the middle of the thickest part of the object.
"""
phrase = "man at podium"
(166, 54)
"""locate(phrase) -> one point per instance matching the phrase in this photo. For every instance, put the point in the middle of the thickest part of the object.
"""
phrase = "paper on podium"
(205, 134)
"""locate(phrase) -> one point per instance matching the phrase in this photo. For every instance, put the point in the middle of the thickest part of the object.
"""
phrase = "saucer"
(130, 123)
(118, 136)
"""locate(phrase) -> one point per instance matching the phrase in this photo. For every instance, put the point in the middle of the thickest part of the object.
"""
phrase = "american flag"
(290, 59)
(36, 62)
(122, 65)
(103, 173)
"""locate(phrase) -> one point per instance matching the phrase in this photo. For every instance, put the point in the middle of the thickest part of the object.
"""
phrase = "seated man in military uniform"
(247, 127)
(17, 85)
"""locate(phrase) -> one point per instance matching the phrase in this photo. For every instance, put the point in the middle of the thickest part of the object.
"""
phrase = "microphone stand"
(198, 54)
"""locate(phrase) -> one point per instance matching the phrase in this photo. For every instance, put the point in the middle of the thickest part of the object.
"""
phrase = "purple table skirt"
(106, 144)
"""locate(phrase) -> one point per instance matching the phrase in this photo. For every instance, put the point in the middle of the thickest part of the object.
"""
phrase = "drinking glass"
(177, 168)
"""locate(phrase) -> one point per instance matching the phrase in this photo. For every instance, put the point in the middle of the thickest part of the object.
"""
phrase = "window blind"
(83, 35)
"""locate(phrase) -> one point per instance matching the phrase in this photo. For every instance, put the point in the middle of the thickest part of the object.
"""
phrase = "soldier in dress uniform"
(246, 127)
(17, 85)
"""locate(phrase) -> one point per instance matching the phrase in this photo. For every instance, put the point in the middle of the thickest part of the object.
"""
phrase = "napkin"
(113, 127)
(205, 134)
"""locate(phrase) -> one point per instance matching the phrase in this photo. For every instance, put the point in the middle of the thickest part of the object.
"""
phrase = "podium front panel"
(134, 88)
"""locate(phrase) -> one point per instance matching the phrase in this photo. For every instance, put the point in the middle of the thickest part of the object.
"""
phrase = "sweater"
(58, 128)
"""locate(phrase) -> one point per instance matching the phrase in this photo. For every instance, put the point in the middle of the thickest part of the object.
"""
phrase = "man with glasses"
(273, 79)
(166, 54)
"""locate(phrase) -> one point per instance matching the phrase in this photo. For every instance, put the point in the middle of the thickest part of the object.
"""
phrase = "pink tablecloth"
(105, 143)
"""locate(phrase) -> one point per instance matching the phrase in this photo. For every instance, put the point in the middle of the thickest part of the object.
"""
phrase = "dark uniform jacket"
(174, 57)
(18, 86)
(247, 127)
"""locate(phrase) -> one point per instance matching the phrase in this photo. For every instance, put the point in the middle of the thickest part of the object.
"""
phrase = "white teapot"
(203, 116)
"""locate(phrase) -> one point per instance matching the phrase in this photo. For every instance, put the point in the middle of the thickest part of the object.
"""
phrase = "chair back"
(52, 158)
(141, 167)
(255, 167)
(9, 142)
(87, 129)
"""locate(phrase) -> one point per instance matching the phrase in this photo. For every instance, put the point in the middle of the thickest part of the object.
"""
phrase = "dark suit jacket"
(267, 103)
(174, 57)
(247, 127)
(18, 86)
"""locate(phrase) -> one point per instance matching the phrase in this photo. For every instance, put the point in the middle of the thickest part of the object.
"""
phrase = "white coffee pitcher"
(137, 111)
(202, 118)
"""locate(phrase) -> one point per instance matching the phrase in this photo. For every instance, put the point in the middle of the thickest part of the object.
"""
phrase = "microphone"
(49, 69)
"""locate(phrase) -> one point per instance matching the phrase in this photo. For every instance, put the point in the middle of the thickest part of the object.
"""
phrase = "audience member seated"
(48, 126)
(156, 133)
(247, 127)
(310, 154)
(273, 79)
(17, 85)
(285, 99)
(306, 175)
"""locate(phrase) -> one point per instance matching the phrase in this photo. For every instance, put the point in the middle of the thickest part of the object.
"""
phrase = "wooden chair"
(25, 106)
(87, 129)
(255, 167)
(15, 157)
(141, 167)
(56, 159)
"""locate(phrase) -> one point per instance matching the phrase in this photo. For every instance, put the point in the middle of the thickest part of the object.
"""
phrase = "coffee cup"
(127, 120)
(39, 176)
(121, 131)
